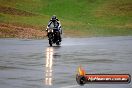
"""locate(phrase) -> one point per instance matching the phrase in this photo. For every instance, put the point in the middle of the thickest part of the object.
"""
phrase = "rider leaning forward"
(56, 23)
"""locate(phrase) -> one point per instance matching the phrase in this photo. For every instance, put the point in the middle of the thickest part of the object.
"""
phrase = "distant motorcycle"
(53, 36)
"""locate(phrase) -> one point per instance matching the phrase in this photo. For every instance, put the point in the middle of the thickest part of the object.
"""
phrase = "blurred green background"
(78, 17)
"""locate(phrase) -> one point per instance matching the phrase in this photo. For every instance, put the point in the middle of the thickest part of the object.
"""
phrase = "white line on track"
(70, 86)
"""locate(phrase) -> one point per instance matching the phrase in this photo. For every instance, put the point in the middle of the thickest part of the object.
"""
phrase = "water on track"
(33, 64)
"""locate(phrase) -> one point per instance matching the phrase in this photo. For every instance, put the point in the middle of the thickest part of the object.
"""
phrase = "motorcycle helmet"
(54, 18)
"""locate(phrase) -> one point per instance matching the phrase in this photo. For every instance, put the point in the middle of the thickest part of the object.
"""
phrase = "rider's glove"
(47, 28)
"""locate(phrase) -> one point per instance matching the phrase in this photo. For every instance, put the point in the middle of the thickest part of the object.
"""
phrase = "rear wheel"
(58, 43)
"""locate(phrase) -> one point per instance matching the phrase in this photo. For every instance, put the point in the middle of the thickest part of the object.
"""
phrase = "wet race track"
(33, 64)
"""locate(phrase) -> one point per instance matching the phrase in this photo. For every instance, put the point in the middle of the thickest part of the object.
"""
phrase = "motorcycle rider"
(56, 23)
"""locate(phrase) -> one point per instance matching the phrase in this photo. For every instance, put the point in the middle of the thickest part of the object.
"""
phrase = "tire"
(58, 43)
(50, 42)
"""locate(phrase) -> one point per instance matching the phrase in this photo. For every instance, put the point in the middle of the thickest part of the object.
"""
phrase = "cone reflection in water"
(49, 63)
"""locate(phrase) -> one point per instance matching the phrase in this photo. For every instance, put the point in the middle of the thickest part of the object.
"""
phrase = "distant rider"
(56, 23)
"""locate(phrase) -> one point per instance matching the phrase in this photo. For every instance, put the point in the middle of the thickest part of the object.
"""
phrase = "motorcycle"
(54, 36)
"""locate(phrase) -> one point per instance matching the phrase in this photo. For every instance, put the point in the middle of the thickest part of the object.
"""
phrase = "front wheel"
(50, 42)
(50, 39)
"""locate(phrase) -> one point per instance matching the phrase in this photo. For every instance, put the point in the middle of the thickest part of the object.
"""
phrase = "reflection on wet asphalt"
(48, 68)
(33, 64)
